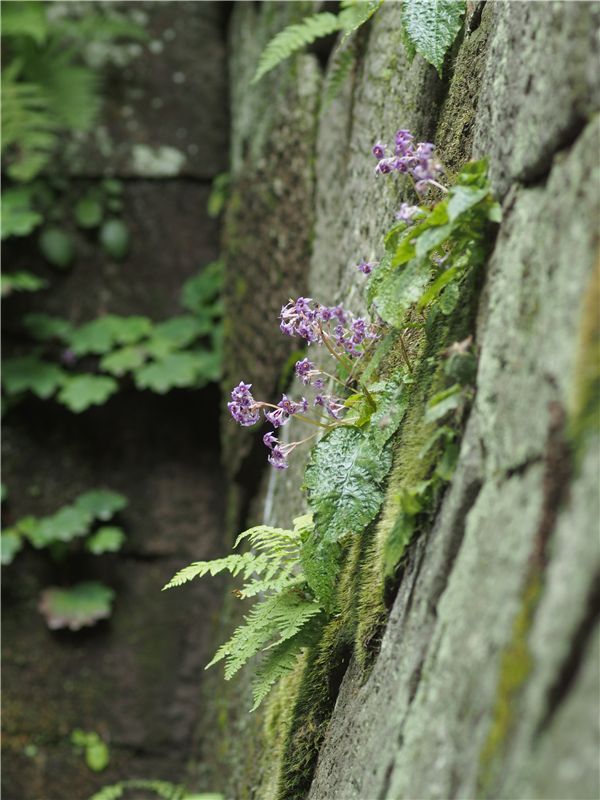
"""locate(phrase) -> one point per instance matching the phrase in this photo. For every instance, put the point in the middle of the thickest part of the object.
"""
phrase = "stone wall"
(484, 680)
(134, 678)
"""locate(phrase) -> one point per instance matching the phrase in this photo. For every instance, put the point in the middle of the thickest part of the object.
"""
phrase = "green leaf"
(344, 481)
(398, 540)
(474, 173)
(101, 503)
(80, 606)
(57, 247)
(101, 334)
(320, 559)
(67, 524)
(219, 193)
(115, 239)
(462, 198)
(294, 38)
(174, 370)
(124, 360)
(82, 391)
(432, 238)
(25, 19)
(432, 26)
(105, 540)
(449, 299)
(18, 218)
(10, 544)
(44, 327)
(432, 292)
(175, 333)
(20, 282)
(204, 289)
(88, 212)
(444, 402)
(395, 290)
(447, 464)
(96, 751)
(30, 374)
(392, 402)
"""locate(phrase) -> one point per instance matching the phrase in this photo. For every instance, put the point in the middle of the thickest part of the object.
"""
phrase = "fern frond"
(340, 70)
(245, 564)
(294, 38)
(283, 657)
(281, 615)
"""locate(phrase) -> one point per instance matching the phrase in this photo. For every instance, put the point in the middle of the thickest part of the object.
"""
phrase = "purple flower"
(243, 407)
(365, 267)
(333, 405)
(269, 440)
(407, 213)
(305, 370)
(285, 409)
(68, 357)
(403, 141)
(419, 162)
(278, 458)
(299, 319)
(378, 150)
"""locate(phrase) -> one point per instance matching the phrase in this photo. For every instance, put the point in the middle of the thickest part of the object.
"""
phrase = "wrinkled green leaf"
(83, 391)
(395, 290)
(80, 606)
(392, 402)
(432, 26)
(105, 540)
(344, 480)
(30, 374)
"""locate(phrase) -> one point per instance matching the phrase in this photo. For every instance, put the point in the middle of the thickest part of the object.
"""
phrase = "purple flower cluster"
(365, 267)
(320, 324)
(418, 161)
(243, 407)
(407, 213)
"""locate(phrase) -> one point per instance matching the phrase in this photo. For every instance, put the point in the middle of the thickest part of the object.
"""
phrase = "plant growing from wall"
(78, 526)
(157, 356)
(428, 28)
(430, 255)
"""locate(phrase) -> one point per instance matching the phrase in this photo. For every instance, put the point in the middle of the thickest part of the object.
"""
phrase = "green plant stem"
(405, 354)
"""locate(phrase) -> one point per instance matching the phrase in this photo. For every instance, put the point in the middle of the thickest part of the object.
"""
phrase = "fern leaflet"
(294, 38)
(282, 658)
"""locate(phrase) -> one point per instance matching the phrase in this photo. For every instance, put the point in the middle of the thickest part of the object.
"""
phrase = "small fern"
(297, 36)
(294, 38)
(288, 616)
(342, 67)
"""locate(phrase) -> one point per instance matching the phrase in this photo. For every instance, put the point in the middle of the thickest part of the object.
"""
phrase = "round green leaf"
(88, 212)
(57, 247)
(114, 238)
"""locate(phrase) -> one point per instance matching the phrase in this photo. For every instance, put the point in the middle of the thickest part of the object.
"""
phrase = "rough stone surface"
(486, 684)
(165, 113)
